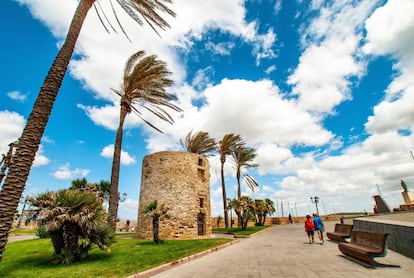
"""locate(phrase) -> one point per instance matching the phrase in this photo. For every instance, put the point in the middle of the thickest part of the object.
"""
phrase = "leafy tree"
(242, 157)
(101, 189)
(75, 221)
(79, 183)
(244, 208)
(199, 143)
(143, 88)
(270, 209)
(262, 209)
(225, 146)
(141, 11)
(156, 212)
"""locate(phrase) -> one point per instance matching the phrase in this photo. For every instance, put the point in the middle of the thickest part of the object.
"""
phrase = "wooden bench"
(365, 246)
(341, 232)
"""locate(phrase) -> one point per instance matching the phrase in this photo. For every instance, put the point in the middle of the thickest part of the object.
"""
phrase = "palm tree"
(270, 209)
(242, 157)
(244, 208)
(229, 142)
(199, 143)
(259, 208)
(143, 87)
(141, 11)
(75, 221)
(101, 189)
(156, 212)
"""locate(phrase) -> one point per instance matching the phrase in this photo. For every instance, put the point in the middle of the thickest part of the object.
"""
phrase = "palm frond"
(199, 143)
(250, 181)
(118, 22)
(144, 88)
(141, 10)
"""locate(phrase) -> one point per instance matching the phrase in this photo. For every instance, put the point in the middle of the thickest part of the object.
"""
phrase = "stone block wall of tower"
(181, 181)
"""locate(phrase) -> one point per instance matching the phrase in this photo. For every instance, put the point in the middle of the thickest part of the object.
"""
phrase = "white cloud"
(398, 18)
(128, 209)
(222, 48)
(11, 128)
(40, 158)
(126, 158)
(100, 68)
(321, 79)
(16, 95)
(65, 173)
(271, 69)
(390, 28)
(331, 55)
(106, 116)
(263, 46)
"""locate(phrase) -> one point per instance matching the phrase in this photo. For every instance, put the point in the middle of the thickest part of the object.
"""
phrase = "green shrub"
(42, 232)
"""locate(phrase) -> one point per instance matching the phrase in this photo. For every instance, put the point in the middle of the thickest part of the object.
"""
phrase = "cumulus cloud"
(331, 56)
(395, 110)
(40, 158)
(11, 128)
(64, 172)
(126, 159)
(16, 95)
(127, 209)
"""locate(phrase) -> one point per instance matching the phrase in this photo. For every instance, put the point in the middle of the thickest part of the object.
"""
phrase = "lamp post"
(315, 200)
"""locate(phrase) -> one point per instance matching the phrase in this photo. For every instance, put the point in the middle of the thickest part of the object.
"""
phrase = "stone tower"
(181, 181)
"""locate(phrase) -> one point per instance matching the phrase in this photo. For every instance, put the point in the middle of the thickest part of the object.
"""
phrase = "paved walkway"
(21, 237)
(283, 251)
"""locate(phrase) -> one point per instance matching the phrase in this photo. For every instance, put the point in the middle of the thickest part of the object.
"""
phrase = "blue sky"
(324, 90)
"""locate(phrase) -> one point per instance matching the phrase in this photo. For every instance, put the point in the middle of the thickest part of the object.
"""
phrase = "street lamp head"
(314, 199)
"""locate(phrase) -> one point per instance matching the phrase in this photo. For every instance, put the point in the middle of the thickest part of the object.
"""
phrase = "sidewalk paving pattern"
(283, 251)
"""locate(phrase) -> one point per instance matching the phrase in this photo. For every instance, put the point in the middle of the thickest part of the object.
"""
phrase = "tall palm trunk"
(116, 162)
(223, 189)
(238, 176)
(29, 142)
(155, 228)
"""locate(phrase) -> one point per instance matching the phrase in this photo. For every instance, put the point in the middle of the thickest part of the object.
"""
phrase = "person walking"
(310, 229)
(319, 227)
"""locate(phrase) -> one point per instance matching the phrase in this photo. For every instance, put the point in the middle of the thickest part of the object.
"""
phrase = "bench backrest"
(369, 239)
(344, 228)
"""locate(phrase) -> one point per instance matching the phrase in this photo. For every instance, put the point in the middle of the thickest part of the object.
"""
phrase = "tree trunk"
(238, 183)
(223, 189)
(29, 141)
(155, 228)
(57, 240)
(238, 192)
(116, 163)
(70, 237)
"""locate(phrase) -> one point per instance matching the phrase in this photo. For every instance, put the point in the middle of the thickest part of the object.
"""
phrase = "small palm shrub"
(75, 221)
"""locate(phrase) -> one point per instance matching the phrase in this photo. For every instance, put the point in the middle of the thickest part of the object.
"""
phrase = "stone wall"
(181, 181)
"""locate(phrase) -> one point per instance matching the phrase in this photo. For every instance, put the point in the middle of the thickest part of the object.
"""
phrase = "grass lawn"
(22, 232)
(239, 231)
(34, 258)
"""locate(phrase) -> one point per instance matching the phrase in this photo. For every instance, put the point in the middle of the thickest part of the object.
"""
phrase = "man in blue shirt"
(319, 226)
